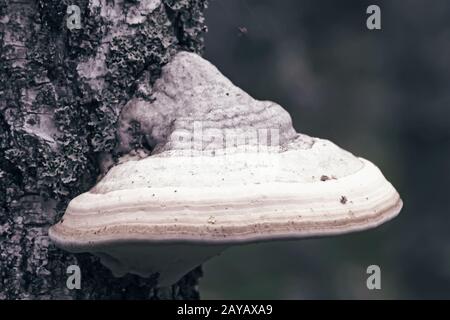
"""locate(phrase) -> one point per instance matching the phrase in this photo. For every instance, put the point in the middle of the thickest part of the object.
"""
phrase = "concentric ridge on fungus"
(224, 169)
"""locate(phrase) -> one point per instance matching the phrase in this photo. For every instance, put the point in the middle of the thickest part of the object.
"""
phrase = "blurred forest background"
(383, 95)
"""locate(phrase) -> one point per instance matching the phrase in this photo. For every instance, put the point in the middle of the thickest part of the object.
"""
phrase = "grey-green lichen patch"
(188, 24)
(58, 115)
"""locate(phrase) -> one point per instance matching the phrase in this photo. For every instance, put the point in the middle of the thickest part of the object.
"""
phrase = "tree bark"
(61, 93)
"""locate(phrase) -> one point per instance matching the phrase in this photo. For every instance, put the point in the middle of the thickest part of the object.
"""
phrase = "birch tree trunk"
(61, 93)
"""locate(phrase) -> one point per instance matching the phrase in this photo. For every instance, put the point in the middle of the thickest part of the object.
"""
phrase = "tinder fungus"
(222, 169)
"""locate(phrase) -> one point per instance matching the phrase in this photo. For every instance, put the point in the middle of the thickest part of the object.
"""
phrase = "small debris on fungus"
(211, 220)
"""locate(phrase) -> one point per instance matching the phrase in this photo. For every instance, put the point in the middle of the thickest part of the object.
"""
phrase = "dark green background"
(383, 95)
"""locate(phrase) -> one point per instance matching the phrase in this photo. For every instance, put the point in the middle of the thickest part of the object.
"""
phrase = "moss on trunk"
(61, 92)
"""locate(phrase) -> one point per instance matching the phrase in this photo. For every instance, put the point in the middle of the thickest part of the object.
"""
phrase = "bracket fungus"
(223, 169)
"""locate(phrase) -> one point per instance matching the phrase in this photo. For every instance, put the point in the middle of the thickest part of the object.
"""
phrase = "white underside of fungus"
(225, 169)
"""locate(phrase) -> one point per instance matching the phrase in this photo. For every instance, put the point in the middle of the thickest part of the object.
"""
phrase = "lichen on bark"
(61, 93)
